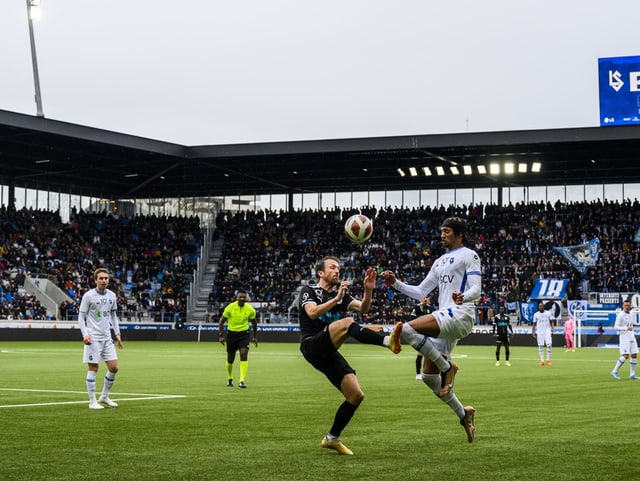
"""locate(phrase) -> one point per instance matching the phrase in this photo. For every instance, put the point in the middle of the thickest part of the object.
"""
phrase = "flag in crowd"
(582, 256)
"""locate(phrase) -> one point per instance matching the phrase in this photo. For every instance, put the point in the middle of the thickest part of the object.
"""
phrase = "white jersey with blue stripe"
(458, 270)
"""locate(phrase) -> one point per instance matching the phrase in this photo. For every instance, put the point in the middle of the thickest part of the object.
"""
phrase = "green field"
(568, 421)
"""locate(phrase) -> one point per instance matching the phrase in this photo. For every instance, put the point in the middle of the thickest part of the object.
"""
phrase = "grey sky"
(213, 72)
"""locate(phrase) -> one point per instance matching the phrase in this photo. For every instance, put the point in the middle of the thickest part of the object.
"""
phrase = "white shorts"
(445, 346)
(629, 347)
(99, 351)
(456, 322)
(543, 338)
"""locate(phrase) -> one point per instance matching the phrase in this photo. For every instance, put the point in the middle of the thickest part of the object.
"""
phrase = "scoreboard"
(619, 86)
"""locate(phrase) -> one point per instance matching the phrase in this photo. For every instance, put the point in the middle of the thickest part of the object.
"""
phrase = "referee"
(238, 314)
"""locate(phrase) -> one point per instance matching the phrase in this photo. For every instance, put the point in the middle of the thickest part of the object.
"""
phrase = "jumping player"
(457, 276)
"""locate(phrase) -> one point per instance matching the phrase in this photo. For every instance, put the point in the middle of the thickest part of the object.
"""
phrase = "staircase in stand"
(200, 304)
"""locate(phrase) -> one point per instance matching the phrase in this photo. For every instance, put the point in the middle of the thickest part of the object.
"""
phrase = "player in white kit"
(96, 319)
(541, 330)
(628, 342)
(457, 276)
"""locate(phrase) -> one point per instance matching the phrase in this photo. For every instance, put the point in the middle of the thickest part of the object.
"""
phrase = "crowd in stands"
(272, 253)
(151, 259)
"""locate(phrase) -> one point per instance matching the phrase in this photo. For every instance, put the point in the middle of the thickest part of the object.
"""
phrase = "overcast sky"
(217, 72)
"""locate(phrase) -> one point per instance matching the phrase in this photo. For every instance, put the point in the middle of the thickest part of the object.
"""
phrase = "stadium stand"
(151, 259)
(271, 253)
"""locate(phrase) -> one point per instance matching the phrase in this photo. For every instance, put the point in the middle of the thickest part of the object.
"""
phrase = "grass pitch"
(178, 421)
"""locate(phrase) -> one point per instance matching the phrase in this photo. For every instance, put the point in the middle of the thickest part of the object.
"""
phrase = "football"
(358, 228)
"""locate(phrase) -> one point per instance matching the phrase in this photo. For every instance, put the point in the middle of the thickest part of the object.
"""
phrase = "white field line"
(138, 397)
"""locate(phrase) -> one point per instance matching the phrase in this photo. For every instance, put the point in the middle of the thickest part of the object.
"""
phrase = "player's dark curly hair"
(458, 225)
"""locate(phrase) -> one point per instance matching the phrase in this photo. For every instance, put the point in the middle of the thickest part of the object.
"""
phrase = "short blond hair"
(98, 271)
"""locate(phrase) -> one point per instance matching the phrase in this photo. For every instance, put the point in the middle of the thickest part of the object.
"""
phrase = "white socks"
(422, 343)
(434, 382)
(91, 385)
(109, 379)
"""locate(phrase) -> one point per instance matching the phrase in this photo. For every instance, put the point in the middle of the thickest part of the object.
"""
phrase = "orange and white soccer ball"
(358, 228)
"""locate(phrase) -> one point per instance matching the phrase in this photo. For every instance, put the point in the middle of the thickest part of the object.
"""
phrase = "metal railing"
(198, 272)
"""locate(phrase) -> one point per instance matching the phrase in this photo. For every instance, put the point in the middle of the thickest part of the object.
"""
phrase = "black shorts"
(319, 351)
(503, 339)
(237, 340)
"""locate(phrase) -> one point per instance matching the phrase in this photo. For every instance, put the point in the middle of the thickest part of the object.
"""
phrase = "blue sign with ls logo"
(619, 85)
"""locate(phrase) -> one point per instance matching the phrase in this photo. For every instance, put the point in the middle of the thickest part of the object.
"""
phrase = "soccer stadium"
(182, 230)
(176, 261)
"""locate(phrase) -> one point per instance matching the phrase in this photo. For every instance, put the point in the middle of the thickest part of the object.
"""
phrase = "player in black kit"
(324, 328)
(502, 328)
(420, 310)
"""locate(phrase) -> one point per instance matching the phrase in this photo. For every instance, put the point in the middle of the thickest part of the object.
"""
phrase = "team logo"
(615, 80)
(578, 310)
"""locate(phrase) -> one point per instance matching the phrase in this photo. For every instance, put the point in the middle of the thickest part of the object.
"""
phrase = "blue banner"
(139, 326)
(581, 256)
(261, 327)
(527, 310)
(619, 87)
(549, 289)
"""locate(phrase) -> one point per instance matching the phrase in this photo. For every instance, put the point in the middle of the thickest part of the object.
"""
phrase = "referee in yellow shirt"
(238, 314)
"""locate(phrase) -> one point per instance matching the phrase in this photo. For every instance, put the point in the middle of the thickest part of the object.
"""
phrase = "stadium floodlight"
(509, 167)
(482, 169)
(494, 168)
(536, 166)
(413, 171)
(522, 168)
(467, 170)
(33, 10)
(439, 170)
(401, 172)
(454, 170)
(427, 171)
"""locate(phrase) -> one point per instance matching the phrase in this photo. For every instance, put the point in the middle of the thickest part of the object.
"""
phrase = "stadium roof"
(47, 154)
